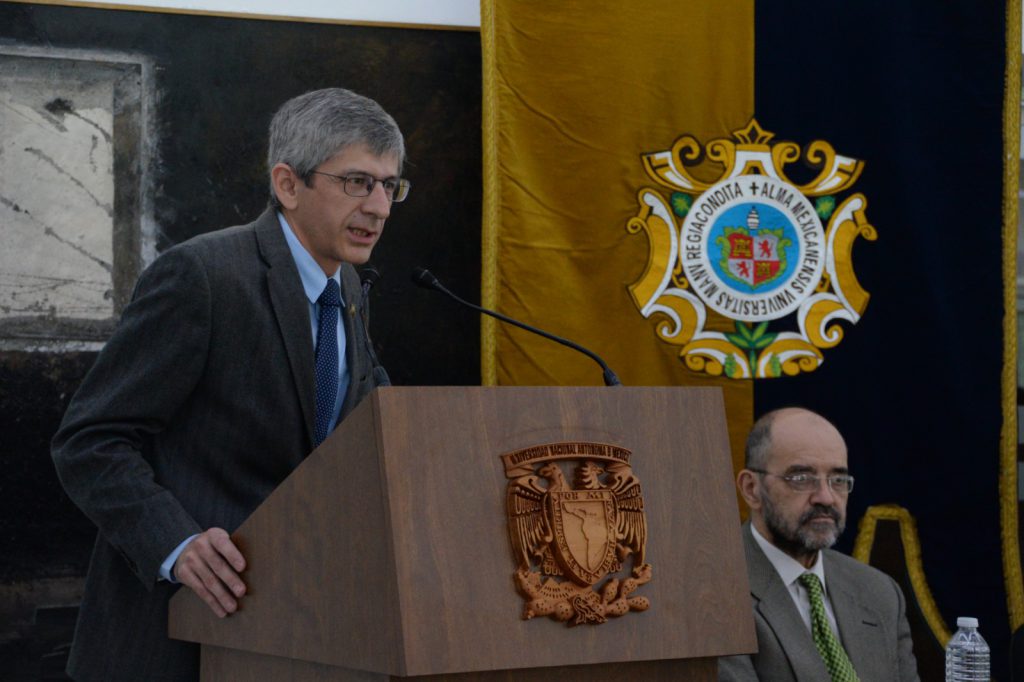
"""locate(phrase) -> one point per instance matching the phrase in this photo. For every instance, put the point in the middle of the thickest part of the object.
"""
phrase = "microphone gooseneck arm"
(368, 277)
(425, 279)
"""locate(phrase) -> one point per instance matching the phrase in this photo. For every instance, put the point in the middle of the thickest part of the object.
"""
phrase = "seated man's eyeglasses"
(805, 483)
(362, 184)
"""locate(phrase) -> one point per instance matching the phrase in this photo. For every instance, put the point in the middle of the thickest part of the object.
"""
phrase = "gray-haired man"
(238, 354)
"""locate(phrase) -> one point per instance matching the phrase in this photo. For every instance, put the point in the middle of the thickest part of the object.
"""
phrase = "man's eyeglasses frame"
(362, 184)
(806, 483)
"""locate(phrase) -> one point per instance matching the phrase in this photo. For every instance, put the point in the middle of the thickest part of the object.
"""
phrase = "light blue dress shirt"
(313, 282)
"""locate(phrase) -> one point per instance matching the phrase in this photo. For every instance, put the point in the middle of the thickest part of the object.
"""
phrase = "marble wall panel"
(70, 132)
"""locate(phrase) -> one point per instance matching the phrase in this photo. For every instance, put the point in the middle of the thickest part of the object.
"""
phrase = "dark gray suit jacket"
(199, 405)
(869, 609)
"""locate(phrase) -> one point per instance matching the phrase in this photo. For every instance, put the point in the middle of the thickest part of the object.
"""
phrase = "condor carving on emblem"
(566, 538)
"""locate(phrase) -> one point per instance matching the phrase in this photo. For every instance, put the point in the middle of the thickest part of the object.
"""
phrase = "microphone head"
(424, 278)
(369, 275)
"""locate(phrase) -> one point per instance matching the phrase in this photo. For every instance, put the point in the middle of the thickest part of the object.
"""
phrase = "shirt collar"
(313, 278)
(788, 568)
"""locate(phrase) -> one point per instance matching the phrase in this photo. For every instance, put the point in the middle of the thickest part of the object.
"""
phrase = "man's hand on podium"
(210, 565)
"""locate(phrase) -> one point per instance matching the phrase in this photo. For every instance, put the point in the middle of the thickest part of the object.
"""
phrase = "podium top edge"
(549, 388)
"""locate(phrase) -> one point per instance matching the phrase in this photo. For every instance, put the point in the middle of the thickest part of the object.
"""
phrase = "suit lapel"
(352, 292)
(860, 628)
(776, 607)
(291, 310)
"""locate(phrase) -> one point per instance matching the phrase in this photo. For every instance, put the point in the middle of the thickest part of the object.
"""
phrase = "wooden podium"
(387, 554)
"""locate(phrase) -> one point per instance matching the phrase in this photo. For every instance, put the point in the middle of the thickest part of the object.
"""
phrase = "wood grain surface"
(230, 665)
(388, 551)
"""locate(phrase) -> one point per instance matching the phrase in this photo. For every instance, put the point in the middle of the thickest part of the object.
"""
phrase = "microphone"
(368, 277)
(425, 279)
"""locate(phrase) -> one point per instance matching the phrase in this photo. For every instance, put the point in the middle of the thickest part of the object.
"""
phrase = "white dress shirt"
(790, 570)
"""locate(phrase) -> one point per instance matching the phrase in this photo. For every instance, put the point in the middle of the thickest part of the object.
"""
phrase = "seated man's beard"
(801, 538)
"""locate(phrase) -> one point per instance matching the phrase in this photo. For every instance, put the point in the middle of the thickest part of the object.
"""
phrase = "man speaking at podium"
(819, 615)
(239, 353)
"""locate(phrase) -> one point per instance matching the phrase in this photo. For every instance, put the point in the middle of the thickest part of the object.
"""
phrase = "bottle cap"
(963, 622)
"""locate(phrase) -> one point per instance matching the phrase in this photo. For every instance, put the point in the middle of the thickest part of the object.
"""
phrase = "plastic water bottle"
(967, 654)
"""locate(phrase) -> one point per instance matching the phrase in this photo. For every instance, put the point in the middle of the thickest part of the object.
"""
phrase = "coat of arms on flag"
(751, 247)
(753, 256)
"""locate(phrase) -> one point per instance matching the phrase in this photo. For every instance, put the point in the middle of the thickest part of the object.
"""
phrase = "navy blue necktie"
(326, 366)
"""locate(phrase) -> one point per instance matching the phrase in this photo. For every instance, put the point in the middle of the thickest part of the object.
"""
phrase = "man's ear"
(286, 185)
(750, 488)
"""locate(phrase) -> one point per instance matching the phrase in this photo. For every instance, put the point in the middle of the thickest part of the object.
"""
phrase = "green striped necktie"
(838, 664)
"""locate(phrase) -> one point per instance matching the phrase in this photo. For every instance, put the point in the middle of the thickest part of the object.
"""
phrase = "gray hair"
(311, 128)
(759, 442)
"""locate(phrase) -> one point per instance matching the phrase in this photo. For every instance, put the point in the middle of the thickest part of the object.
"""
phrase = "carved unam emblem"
(567, 537)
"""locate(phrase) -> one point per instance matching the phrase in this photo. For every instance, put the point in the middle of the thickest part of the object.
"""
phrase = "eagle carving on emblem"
(567, 537)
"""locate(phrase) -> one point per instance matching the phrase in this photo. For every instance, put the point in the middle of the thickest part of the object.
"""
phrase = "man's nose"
(377, 203)
(824, 494)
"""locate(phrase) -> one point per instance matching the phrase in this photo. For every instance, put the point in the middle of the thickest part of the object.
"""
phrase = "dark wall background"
(218, 82)
(915, 89)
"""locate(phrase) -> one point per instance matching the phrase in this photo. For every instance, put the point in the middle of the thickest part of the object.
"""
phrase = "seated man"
(819, 615)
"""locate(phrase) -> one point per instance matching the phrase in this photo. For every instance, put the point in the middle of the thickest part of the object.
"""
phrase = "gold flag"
(574, 94)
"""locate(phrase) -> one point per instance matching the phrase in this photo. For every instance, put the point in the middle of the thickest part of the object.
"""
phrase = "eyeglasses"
(362, 184)
(806, 483)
